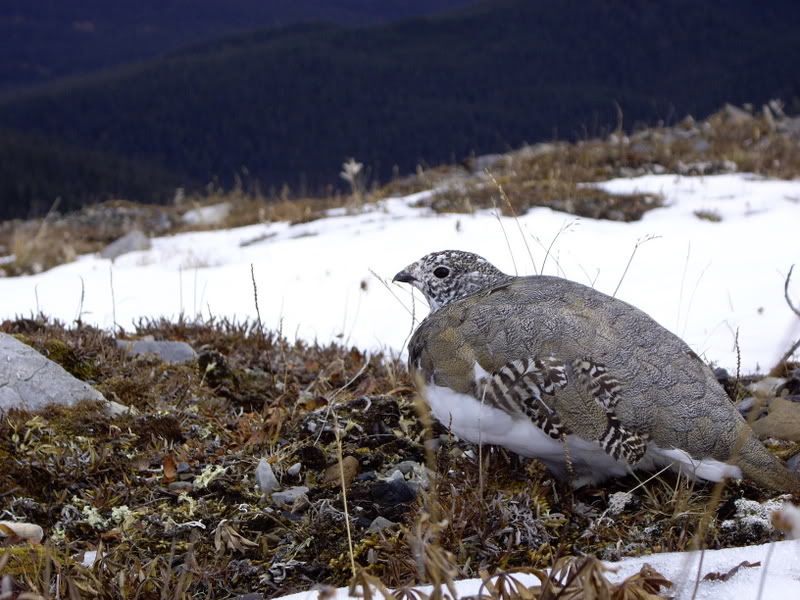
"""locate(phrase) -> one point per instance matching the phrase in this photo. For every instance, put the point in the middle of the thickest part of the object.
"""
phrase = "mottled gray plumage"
(607, 372)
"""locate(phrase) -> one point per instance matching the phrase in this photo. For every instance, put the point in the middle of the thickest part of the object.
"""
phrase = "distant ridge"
(291, 105)
(41, 40)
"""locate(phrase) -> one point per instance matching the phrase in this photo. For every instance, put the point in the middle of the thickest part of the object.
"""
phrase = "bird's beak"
(404, 277)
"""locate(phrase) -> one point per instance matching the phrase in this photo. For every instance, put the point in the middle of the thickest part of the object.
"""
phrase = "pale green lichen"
(209, 474)
(94, 518)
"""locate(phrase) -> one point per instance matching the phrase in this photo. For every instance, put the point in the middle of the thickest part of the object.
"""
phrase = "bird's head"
(450, 275)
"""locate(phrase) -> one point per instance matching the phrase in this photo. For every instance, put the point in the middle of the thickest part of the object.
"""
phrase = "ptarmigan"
(541, 365)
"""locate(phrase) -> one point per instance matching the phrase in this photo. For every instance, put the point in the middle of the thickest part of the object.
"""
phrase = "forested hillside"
(41, 40)
(289, 105)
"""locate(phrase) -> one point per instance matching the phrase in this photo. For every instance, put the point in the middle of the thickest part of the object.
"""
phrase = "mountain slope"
(290, 105)
(41, 40)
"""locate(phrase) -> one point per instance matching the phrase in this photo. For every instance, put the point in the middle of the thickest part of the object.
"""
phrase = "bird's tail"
(760, 466)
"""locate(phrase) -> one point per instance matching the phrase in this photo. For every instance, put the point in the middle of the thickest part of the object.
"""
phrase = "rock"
(392, 491)
(782, 422)
(706, 167)
(132, 241)
(169, 352)
(267, 482)
(752, 520)
(618, 501)
(793, 464)
(21, 531)
(745, 405)
(768, 386)
(721, 374)
(407, 466)
(207, 215)
(333, 474)
(180, 486)
(115, 409)
(379, 524)
(294, 470)
(89, 558)
(111, 220)
(30, 381)
(288, 497)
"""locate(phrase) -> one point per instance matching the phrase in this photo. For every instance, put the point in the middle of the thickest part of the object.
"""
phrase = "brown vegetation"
(168, 499)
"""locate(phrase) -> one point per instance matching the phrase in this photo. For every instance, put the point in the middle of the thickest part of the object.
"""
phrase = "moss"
(59, 351)
(24, 560)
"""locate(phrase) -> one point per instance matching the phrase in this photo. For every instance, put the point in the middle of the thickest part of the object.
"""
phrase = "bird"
(586, 383)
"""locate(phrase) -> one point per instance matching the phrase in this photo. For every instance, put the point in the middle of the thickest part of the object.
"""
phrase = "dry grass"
(168, 498)
(553, 174)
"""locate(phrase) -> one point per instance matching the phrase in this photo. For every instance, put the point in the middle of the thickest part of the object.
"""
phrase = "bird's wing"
(517, 388)
(520, 387)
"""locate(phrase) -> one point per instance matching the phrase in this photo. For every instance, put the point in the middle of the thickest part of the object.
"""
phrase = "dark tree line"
(290, 105)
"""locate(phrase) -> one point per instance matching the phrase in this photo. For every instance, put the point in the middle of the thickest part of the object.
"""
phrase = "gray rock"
(169, 352)
(380, 523)
(407, 466)
(207, 215)
(294, 470)
(745, 405)
(793, 464)
(267, 482)
(768, 386)
(181, 486)
(30, 381)
(132, 241)
(288, 497)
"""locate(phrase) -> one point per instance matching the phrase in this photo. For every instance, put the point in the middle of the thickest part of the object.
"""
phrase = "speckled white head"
(450, 275)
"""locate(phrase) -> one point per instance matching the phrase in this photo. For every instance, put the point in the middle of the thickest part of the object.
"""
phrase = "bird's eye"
(441, 272)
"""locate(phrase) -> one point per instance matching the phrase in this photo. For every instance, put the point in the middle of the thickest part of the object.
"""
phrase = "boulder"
(169, 352)
(132, 241)
(31, 381)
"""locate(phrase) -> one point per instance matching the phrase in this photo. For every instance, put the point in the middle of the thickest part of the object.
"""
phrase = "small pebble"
(379, 524)
(333, 474)
(24, 531)
(183, 467)
(181, 486)
(794, 464)
(395, 476)
(267, 482)
(407, 466)
(294, 470)
(745, 404)
(392, 491)
(288, 497)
